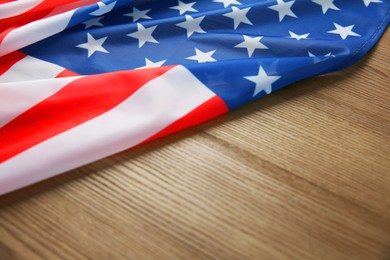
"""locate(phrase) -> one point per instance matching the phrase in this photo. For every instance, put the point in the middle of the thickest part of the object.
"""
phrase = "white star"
(326, 5)
(201, 56)
(103, 8)
(151, 64)
(368, 2)
(227, 3)
(316, 59)
(143, 35)
(239, 16)
(93, 22)
(93, 45)
(139, 14)
(283, 8)
(183, 7)
(298, 36)
(344, 32)
(262, 81)
(251, 43)
(192, 25)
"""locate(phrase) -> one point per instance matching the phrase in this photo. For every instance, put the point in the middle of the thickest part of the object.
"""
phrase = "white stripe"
(17, 97)
(15, 8)
(34, 31)
(30, 68)
(152, 108)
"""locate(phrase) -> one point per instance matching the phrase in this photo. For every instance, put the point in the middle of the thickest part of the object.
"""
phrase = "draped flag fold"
(81, 80)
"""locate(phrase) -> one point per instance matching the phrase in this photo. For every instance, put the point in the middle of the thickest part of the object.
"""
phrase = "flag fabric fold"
(81, 80)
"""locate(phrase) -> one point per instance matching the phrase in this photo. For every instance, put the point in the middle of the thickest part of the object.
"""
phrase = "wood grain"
(301, 174)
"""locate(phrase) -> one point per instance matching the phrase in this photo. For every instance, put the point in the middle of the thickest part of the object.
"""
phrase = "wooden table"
(301, 174)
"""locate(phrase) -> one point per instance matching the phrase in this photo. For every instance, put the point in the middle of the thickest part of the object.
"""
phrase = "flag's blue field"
(241, 49)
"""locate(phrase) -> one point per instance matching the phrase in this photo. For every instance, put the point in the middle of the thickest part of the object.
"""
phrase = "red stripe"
(6, 1)
(71, 6)
(9, 60)
(67, 73)
(78, 102)
(208, 110)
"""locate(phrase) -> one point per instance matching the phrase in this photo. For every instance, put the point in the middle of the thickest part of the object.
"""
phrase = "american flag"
(81, 80)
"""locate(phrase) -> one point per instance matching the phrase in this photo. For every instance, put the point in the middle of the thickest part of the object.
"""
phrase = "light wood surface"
(301, 174)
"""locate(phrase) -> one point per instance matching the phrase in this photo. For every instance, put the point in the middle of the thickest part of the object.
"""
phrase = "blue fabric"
(231, 69)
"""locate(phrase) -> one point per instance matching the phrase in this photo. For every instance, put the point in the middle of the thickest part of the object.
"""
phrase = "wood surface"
(301, 174)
